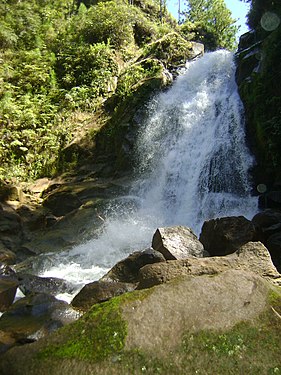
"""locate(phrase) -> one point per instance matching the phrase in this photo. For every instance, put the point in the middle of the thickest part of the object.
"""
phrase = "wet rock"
(35, 316)
(252, 256)
(99, 291)
(62, 203)
(6, 341)
(50, 285)
(177, 243)
(127, 270)
(8, 286)
(225, 235)
(8, 289)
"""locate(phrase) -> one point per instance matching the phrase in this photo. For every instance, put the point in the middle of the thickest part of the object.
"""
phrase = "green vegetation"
(210, 22)
(99, 339)
(67, 66)
(100, 333)
(59, 62)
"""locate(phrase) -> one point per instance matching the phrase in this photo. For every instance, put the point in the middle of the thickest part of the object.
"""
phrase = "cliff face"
(258, 78)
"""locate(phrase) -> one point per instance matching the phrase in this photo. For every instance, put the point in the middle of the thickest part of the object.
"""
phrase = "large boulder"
(177, 242)
(127, 270)
(252, 256)
(99, 291)
(214, 324)
(225, 235)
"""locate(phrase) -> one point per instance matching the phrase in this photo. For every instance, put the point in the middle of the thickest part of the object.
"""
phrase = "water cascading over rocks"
(193, 166)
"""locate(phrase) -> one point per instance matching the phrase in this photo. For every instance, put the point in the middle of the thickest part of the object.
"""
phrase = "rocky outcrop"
(177, 243)
(258, 63)
(252, 256)
(226, 235)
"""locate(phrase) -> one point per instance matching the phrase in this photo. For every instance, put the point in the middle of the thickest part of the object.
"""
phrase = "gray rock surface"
(177, 242)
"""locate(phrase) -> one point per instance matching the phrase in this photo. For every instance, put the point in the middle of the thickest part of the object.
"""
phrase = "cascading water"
(193, 166)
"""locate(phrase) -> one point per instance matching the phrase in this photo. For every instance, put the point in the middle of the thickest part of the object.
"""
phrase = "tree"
(210, 22)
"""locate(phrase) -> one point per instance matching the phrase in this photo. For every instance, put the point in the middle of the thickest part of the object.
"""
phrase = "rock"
(252, 256)
(266, 223)
(11, 228)
(8, 289)
(35, 316)
(8, 286)
(62, 203)
(39, 185)
(177, 243)
(7, 256)
(50, 285)
(225, 235)
(5, 270)
(10, 222)
(99, 291)
(6, 341)
(273, 243)
(127, 270)
(219, 316)
(10, 193)
(191, 304)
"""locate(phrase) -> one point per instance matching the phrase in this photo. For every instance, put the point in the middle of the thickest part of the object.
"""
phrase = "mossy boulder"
(227, 323)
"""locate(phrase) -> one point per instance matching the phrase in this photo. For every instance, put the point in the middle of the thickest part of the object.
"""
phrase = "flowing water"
(193, 165)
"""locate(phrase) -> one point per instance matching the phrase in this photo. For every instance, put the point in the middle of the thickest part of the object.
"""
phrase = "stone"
(50, 285)
(273, 243)
(159, 324)
(62, 203)
(6, 341)
(252, 256)
(266, 223)
(99, 291)
(177, 242)
(10, 193)
(8, 289)
(127, 270)
(7, 256)
(35, 316)
(225, 235)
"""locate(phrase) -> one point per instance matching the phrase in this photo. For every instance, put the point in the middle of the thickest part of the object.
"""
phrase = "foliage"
(210, 22)
(58, 57)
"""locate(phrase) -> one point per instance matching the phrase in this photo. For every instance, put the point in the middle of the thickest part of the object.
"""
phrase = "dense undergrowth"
(59, 62)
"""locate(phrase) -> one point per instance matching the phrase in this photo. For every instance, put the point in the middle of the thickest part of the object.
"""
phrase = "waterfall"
(193, 165)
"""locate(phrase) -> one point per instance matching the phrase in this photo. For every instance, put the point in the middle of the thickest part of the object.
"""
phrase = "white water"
(193, 166)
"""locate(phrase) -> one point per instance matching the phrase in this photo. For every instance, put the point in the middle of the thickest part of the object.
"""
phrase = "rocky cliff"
(258, 77)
